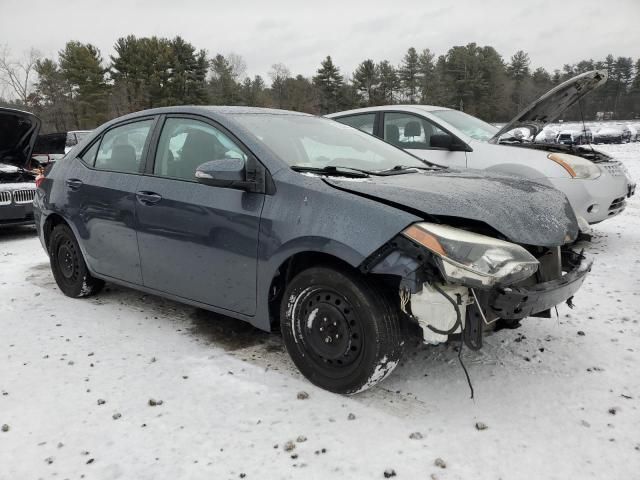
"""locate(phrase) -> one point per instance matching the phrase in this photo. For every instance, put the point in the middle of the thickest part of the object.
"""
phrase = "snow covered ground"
(560, 397)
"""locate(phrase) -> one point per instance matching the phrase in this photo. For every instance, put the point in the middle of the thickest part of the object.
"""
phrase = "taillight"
(40, 178)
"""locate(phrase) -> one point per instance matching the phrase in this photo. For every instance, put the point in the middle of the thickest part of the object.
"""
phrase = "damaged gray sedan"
(290, 221)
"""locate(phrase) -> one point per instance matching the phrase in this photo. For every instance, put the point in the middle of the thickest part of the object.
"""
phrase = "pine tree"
(365, 81)
(427, 75)
(389, 83)
(409, 74)
(329, 83)
(81, 67)
(518, 71)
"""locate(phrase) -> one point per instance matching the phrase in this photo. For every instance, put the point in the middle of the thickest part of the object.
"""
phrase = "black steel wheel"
(68, 266)
(341, 331)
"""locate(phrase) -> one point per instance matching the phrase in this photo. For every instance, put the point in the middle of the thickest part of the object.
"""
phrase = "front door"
(413, 133)
(101, 184)
(196, 241)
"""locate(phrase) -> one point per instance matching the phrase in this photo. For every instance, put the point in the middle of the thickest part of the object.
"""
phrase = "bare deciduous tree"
(16, 74)
(238, 66)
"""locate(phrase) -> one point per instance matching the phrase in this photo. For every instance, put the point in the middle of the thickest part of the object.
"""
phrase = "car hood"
(18, 133)
(522, 211)
(552, 104)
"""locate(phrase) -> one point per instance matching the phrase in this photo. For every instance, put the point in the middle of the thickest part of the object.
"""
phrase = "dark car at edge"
(290, 221)
(18, 133)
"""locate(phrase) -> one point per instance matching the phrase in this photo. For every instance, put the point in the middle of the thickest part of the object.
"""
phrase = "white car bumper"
(598, 199)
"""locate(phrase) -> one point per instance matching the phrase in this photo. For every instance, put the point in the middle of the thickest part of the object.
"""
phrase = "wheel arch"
(50, 223)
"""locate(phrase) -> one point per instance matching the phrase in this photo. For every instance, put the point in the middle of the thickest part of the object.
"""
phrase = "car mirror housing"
(448, 142)
(225, 172)
(441, 140)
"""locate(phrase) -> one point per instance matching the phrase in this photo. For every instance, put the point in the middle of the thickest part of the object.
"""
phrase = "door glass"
(185, 144)
(121, 147)
(362, 122)
(89, 156)
(409, 131)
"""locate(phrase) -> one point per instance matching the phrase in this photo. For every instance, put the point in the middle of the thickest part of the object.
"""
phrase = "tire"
(68, 266)
(342, 332)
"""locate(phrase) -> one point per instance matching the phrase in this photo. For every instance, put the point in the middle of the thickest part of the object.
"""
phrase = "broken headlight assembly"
(575, 166)
(472, 259)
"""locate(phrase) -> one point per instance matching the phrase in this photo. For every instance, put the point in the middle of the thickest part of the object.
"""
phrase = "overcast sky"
(301, 33)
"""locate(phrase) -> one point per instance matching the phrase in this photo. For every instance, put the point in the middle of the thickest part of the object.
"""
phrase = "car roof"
(402, 108)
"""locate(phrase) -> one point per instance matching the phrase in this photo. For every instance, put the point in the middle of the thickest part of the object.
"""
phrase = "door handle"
(74, 183)
(148, 198)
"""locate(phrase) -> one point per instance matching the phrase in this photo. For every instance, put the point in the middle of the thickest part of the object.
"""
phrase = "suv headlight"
(473, 259)
(577, 167)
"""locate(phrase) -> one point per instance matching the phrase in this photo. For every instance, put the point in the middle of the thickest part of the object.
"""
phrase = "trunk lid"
(552, 104)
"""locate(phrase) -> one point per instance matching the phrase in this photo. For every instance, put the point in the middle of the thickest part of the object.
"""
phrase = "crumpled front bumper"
(516, 302)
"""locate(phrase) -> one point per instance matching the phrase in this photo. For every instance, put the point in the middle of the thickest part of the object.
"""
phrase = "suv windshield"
(306, 141)
(472, 126)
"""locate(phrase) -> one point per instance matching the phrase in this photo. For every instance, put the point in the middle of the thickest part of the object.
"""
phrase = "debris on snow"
(116, 416)
(154, 403)
(301, 438)
(440, 463)
(289, 446)
(389, 472)
(101, 401)
(5, 428)
(351, 416)
(415, 436)
(303, 395)
(481, 426)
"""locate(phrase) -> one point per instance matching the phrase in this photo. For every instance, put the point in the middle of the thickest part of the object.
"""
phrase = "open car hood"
(552, 104)
(18, 133)
(522, 211)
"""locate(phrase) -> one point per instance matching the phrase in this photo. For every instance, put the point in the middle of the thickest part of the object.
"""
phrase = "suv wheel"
(342, 332)
(68, 266)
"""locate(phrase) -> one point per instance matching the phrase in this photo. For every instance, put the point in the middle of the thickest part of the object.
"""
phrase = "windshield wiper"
(333, 170)
(401, 169)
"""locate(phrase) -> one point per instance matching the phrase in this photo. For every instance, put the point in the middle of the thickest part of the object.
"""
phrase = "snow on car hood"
(18, 133)
(523, 211)
(552, 104)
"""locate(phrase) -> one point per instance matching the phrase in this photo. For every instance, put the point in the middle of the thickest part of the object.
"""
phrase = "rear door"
(413, 133)
(197, 241)
(101, 184)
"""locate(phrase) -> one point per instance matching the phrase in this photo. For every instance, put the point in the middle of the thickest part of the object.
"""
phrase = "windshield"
(306, 141)
(472, 126)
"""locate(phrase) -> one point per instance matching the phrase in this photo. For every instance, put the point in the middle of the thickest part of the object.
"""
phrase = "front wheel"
(68, 266)
(342, 331)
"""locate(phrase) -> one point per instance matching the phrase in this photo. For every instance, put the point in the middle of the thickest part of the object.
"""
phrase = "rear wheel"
(68, 266)
(342, 331)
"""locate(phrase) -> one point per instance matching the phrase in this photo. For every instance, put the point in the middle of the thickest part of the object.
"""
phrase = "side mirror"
(448, 142)
(226, 172)
(441, 140)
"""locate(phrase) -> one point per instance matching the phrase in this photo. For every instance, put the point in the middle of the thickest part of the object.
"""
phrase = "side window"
(89, 156)
(362, 122)
(186, 144)
(121, 147)
(409, 131)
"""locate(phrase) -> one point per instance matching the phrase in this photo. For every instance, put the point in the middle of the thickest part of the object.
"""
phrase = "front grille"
(617, 204)
(23, 196)
(613, 169)
(5, 198)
